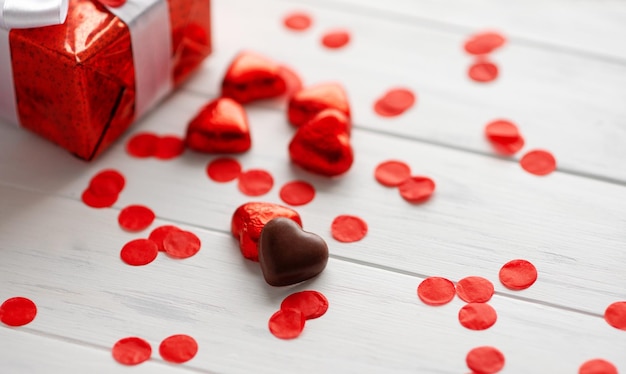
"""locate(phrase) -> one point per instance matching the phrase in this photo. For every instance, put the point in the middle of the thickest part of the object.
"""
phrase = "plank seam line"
(580, 174)
(87, 344)
(452, 28)
(333, 256)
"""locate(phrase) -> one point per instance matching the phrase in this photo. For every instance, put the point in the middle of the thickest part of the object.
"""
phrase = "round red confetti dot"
(255, 182)
(142, 145)
(107, 182)
(169, 147)
(483, 71)
(436, 291)
(297, 193)
(181, 244)
(178, 348)
(474, 289)
(287, 323)
(17, 311)
(502, 131)
(335, 39)
(477, 316)
(417, 189)
(485, 360)
(615, 315)
(394, 102)
(98, 201)
(223, 170)
(297, 21)
(518, 274)
(131, 351)
(509, 149)
(597, 366)
(484, 43)
(139, 252)
(538, 162)
(311, 303)
(135, 217)
(158, 235)
(392, 173)
(348, 229)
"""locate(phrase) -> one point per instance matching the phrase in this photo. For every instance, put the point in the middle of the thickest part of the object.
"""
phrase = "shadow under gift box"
(75, 82)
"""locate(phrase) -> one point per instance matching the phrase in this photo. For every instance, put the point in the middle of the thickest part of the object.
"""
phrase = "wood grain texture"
(567, 103)
(88, 297)
(565, 92)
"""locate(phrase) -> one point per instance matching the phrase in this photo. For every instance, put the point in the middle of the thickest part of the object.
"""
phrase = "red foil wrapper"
(75, 82)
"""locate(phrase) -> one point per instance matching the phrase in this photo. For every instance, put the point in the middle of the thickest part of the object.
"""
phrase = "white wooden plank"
(571, 105)
(585, 27)
(485, 211)
(66, 260)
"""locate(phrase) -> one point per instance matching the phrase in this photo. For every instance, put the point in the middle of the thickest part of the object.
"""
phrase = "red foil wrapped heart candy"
(248, 222)
(308, 102)
(322, 145)
(220, 127)
(253, 77)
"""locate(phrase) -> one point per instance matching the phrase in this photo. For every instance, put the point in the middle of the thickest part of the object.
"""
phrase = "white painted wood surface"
(486, 210)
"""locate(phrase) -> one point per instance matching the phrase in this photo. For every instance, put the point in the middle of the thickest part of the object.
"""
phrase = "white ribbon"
(148, 22)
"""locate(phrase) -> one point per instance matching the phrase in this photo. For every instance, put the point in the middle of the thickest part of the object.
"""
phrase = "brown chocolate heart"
(289, 255)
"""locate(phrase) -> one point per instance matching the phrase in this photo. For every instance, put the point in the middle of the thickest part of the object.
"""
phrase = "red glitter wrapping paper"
(75, 82)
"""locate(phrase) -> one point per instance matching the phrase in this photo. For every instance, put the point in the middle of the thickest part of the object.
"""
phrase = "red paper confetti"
(104, 189)
(169, 147)
(178, 348)
(311, 303)
(139, 252)
(255, 182)
(131, 351)
(485, 360)
(135, 217)
(504, 136)
(392, 173)
(394, 102)
(597, 366)
(417, 189)
(483, 43)
(348, 229)
(483, 71)
(477, 316)
(92, 200)
(436, 291)
(518, 274)
(335, 39)
(17, 311)
(142, 145)
(181, 244)
(107, 182)
(158, 235)
(615, 315)
(474, 289)
(297, 193)
(287, 323)
(538, 162)
(297, 21)
(223, 169)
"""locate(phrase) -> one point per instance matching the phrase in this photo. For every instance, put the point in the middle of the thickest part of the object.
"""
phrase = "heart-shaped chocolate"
(308, 102)
(289, 255)
(322, 145)
(253, 77)
(250, 218)
(220, 127)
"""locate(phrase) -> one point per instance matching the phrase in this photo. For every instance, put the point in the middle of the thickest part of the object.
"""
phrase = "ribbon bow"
(23, 14)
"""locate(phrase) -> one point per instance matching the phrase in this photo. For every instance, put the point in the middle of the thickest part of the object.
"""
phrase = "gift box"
(82, 83)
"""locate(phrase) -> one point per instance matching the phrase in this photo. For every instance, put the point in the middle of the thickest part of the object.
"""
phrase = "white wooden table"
(563, 81)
